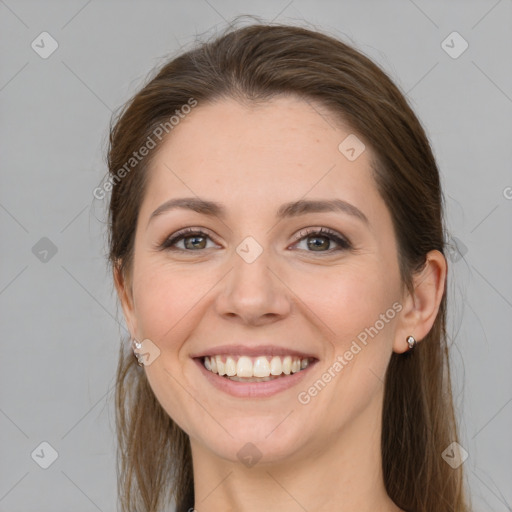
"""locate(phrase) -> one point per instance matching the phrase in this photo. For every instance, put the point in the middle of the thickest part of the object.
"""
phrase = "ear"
(124, 292)
(421, 307)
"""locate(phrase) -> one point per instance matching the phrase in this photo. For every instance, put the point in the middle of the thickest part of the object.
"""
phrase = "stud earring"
(411, 341)
(137, 346)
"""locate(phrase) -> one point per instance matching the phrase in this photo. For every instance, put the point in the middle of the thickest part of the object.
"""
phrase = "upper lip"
(252, 351)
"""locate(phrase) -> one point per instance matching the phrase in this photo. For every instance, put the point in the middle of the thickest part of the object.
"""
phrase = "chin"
(257, 439)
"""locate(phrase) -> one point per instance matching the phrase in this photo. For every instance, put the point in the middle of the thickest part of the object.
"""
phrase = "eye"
(193, 239)
(317, 240)
(320, 240)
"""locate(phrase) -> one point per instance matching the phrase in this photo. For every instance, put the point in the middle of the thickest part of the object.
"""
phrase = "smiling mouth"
(255, 369)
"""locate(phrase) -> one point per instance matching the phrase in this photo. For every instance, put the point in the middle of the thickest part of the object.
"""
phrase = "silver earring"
(138, 346)
(411, 341)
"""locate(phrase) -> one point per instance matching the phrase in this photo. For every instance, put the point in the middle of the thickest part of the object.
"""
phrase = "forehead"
(252, 155)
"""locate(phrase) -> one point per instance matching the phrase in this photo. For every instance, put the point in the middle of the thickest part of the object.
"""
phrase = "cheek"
(163, 299)
(355, 308)
(347, 299)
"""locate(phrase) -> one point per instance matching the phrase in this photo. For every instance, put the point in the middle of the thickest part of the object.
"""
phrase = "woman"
(276, 241)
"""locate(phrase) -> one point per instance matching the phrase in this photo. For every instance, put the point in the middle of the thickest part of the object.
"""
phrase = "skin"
(320, 456)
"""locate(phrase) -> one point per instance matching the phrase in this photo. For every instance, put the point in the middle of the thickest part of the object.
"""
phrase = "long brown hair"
(255, 63)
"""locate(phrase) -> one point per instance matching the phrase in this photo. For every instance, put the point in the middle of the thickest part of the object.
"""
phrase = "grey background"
(61, 325)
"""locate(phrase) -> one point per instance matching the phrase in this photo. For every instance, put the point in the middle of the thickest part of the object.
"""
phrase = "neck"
(342, 473)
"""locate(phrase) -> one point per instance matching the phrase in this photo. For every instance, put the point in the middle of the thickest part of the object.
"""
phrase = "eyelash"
(342, 242)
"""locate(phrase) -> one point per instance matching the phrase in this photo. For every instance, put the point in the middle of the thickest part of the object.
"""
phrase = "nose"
(254, 293)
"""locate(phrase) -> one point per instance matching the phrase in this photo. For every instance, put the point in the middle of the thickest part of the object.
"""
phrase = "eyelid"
(169, 241)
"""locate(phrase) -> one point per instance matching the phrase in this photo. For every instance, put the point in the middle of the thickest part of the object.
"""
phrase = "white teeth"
(261, 367)
(220, 365)
(287, 365)
(253, 379)
(275, 366)
(257, 369)
(230, 366)
(244, 367)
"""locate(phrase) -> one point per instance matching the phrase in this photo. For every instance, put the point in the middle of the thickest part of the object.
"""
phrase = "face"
(260, 279)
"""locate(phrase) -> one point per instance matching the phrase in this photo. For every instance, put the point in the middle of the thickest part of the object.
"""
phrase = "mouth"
(253, 376)
(254, 369)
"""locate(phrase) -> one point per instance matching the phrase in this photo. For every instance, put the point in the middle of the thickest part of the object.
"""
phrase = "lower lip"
(262, 389)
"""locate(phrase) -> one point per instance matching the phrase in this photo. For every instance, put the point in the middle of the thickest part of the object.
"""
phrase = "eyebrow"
(292, 209)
